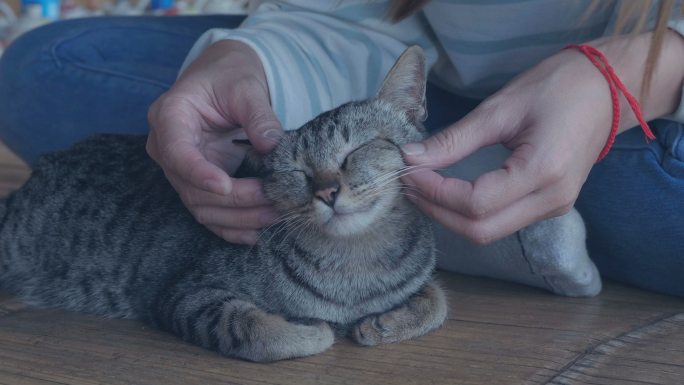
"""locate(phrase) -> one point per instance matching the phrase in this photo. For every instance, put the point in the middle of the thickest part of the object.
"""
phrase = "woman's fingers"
(245, 219)
(174, 143)
(481, 127)
(234, 217)
(522, 213)
(490, 192)
(246, 193)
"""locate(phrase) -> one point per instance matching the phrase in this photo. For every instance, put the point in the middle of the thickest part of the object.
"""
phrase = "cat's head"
(339, 173)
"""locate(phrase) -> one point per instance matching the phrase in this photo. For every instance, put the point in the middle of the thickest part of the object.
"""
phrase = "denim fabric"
(633, 205)
(75, 78)
(72, 79)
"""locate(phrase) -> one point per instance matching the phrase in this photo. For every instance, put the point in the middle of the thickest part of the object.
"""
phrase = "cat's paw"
(375, 329)
(316, 338)
(269, 337)
(423, 312)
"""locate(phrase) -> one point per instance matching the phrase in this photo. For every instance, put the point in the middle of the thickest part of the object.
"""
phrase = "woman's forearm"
(628, 56)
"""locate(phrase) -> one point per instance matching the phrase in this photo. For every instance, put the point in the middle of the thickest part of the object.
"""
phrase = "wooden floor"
(497, 333)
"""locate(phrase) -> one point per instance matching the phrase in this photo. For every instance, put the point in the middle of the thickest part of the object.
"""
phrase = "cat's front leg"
(215, 319)
(423, 312)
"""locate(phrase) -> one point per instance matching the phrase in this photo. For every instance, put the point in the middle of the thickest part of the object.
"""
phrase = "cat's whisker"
(412, 169)
(288, 227)
(401, 188)
(389, 174)
(409, 195)
(292, 224)
(274, 225)
(305, 223)
(289, 221)
(394, 175)
(375, 186)
(306, 227)
(293, 213)
(399, 191)
(283, 225)
(409, 187)
(288, 214)
(281, 221)
(386, 177)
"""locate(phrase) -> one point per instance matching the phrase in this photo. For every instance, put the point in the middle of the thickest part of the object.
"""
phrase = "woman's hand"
(556, 118)
(223, 95)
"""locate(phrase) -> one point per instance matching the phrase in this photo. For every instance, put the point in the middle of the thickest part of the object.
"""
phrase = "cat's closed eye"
(297, 172)
(378, 143)
(370, 151)
(308, 177)
(343, 166)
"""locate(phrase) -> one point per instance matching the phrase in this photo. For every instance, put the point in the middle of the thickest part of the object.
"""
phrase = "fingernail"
(413, 148)
(217, 187)
(273, 134)
(268, 218)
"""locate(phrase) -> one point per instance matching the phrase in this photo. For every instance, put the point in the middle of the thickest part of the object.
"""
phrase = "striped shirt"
(320, 54)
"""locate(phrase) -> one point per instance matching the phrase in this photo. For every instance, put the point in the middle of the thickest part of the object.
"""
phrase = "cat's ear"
(404, 85)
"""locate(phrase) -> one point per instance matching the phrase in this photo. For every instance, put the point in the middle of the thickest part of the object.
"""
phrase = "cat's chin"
(346, 225)
(349, 223)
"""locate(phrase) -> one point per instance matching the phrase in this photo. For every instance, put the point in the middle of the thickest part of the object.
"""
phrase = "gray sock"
(550, 254)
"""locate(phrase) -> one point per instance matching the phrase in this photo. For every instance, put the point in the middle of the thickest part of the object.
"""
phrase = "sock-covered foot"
(550, 254)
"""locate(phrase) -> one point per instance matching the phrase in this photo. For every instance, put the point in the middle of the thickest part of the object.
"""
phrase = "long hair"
(632, 18)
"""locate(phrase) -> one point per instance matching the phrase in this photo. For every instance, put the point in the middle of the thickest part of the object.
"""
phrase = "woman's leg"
(71, 79)
(633, 205)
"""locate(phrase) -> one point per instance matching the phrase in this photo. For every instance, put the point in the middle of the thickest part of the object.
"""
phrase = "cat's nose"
(327, 191)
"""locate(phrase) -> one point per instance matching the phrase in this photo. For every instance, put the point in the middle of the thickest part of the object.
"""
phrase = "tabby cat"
(99, 229)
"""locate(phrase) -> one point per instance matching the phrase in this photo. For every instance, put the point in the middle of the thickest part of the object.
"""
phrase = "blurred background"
(19, 16)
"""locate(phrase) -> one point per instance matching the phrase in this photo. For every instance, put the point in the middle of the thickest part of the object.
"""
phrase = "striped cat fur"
(98, 229)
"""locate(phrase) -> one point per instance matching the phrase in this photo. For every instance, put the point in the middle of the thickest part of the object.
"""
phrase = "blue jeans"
(69, 80)
(633, 205)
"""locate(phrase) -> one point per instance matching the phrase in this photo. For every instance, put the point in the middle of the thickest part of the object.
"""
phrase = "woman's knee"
(64, 81)
(70, 79)
(24, 67)
(38, 46)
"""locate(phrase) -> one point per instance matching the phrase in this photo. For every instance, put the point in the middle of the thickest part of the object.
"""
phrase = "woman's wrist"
(628, 56)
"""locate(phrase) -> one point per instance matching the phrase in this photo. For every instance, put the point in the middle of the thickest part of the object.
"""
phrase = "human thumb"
(260, 123)
(264, 132)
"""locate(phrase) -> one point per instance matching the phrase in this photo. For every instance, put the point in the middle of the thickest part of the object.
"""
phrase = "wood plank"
(497, 333)
(651, 354)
